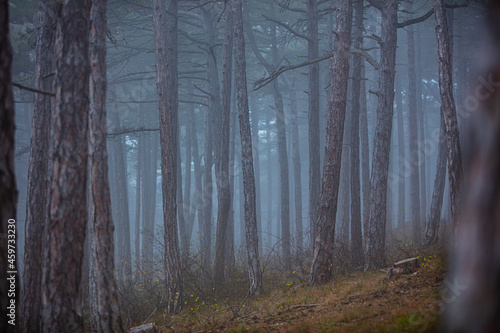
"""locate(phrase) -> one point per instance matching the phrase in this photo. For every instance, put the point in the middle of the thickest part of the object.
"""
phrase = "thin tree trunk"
(68, 209)
(256, 157)
(356, 233)
(321, 268)
(455, 173)
(254, 273)
(345, 181)
(296, 168)
(421, 126)
(122, 214)
(365, 153)
(148, 195)
(206, 221)
(432, 230)
(401, 160)
(313, 116)
(413, 129)
(109, 319)
(139, 167)
(375, 254)
(8, 190)
(165, 26)
(223, 189)
(38, 194)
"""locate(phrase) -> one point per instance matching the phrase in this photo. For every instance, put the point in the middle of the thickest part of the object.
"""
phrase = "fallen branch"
(303, 306)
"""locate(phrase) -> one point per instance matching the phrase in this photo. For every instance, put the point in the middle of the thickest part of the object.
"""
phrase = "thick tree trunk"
(454, 154)
(37, 210)
(401, 160)
(356, 233)
(313, 117)
(109, 319)
(68, 209)
(165, 26)
(432, 230)
(8, 190)
(254, 273)
(375, 254)
(414, 147)
(321, 268)
(223, 189)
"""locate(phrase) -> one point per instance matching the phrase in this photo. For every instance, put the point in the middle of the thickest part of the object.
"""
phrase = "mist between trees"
(165, 149)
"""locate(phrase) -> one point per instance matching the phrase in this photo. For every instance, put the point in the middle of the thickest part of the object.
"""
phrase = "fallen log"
(147, 328)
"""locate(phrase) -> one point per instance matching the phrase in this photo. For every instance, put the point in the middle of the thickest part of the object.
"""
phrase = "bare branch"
(20, 86)
(288, 27)
(367, 57)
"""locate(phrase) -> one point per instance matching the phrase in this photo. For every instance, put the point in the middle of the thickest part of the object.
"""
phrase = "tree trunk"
(68, 208)
(365, 153)
(432, 230)
(38, 175)
(165, 26)
(8, 190)
(122, 214)
(454, 154)
(375, 256)
(296, 169)
(413, 129)
(223, 189)
(323, 249)
(401, 160)
(254, 273)
(139, 167)
(345, 181)
(313, 116)
(206, 221)
(269, 227)
(256, 157)
(356, 236)
(109, 319)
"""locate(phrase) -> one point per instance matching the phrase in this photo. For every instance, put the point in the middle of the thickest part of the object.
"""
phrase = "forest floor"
(357, 302)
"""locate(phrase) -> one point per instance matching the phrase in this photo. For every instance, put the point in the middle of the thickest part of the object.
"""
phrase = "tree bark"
(432, 230)
(68, 209)
(356, 233)
(254, 273)
(206, 224)
(321, 268)
(375, 254)
(138, 180)
(414, 147)
(109, 319)
(37, 210)
(8, 190)
(313, 117)
(454, 154)
(223, 189)
(165, 26)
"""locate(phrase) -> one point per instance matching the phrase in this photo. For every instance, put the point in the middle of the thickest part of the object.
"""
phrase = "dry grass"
(359, 302)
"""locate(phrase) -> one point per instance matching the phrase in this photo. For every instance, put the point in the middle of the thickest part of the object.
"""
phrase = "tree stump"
(147, 328)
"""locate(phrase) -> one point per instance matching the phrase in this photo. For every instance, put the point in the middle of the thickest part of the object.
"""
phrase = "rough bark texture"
(432, 230)
(109, 319)
(223, 190)
(401, 161)
(321, 268)
(413, 129)
(165, 25)
(37, 210)
(68, 210)
(345, 180)
(313, 117)
(8, 190)
(254, 273)
(375, 253)
(356, 236)
(476, 259)
(454, 154)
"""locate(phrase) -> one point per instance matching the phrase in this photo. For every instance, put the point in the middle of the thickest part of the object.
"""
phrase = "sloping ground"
(361, 302)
